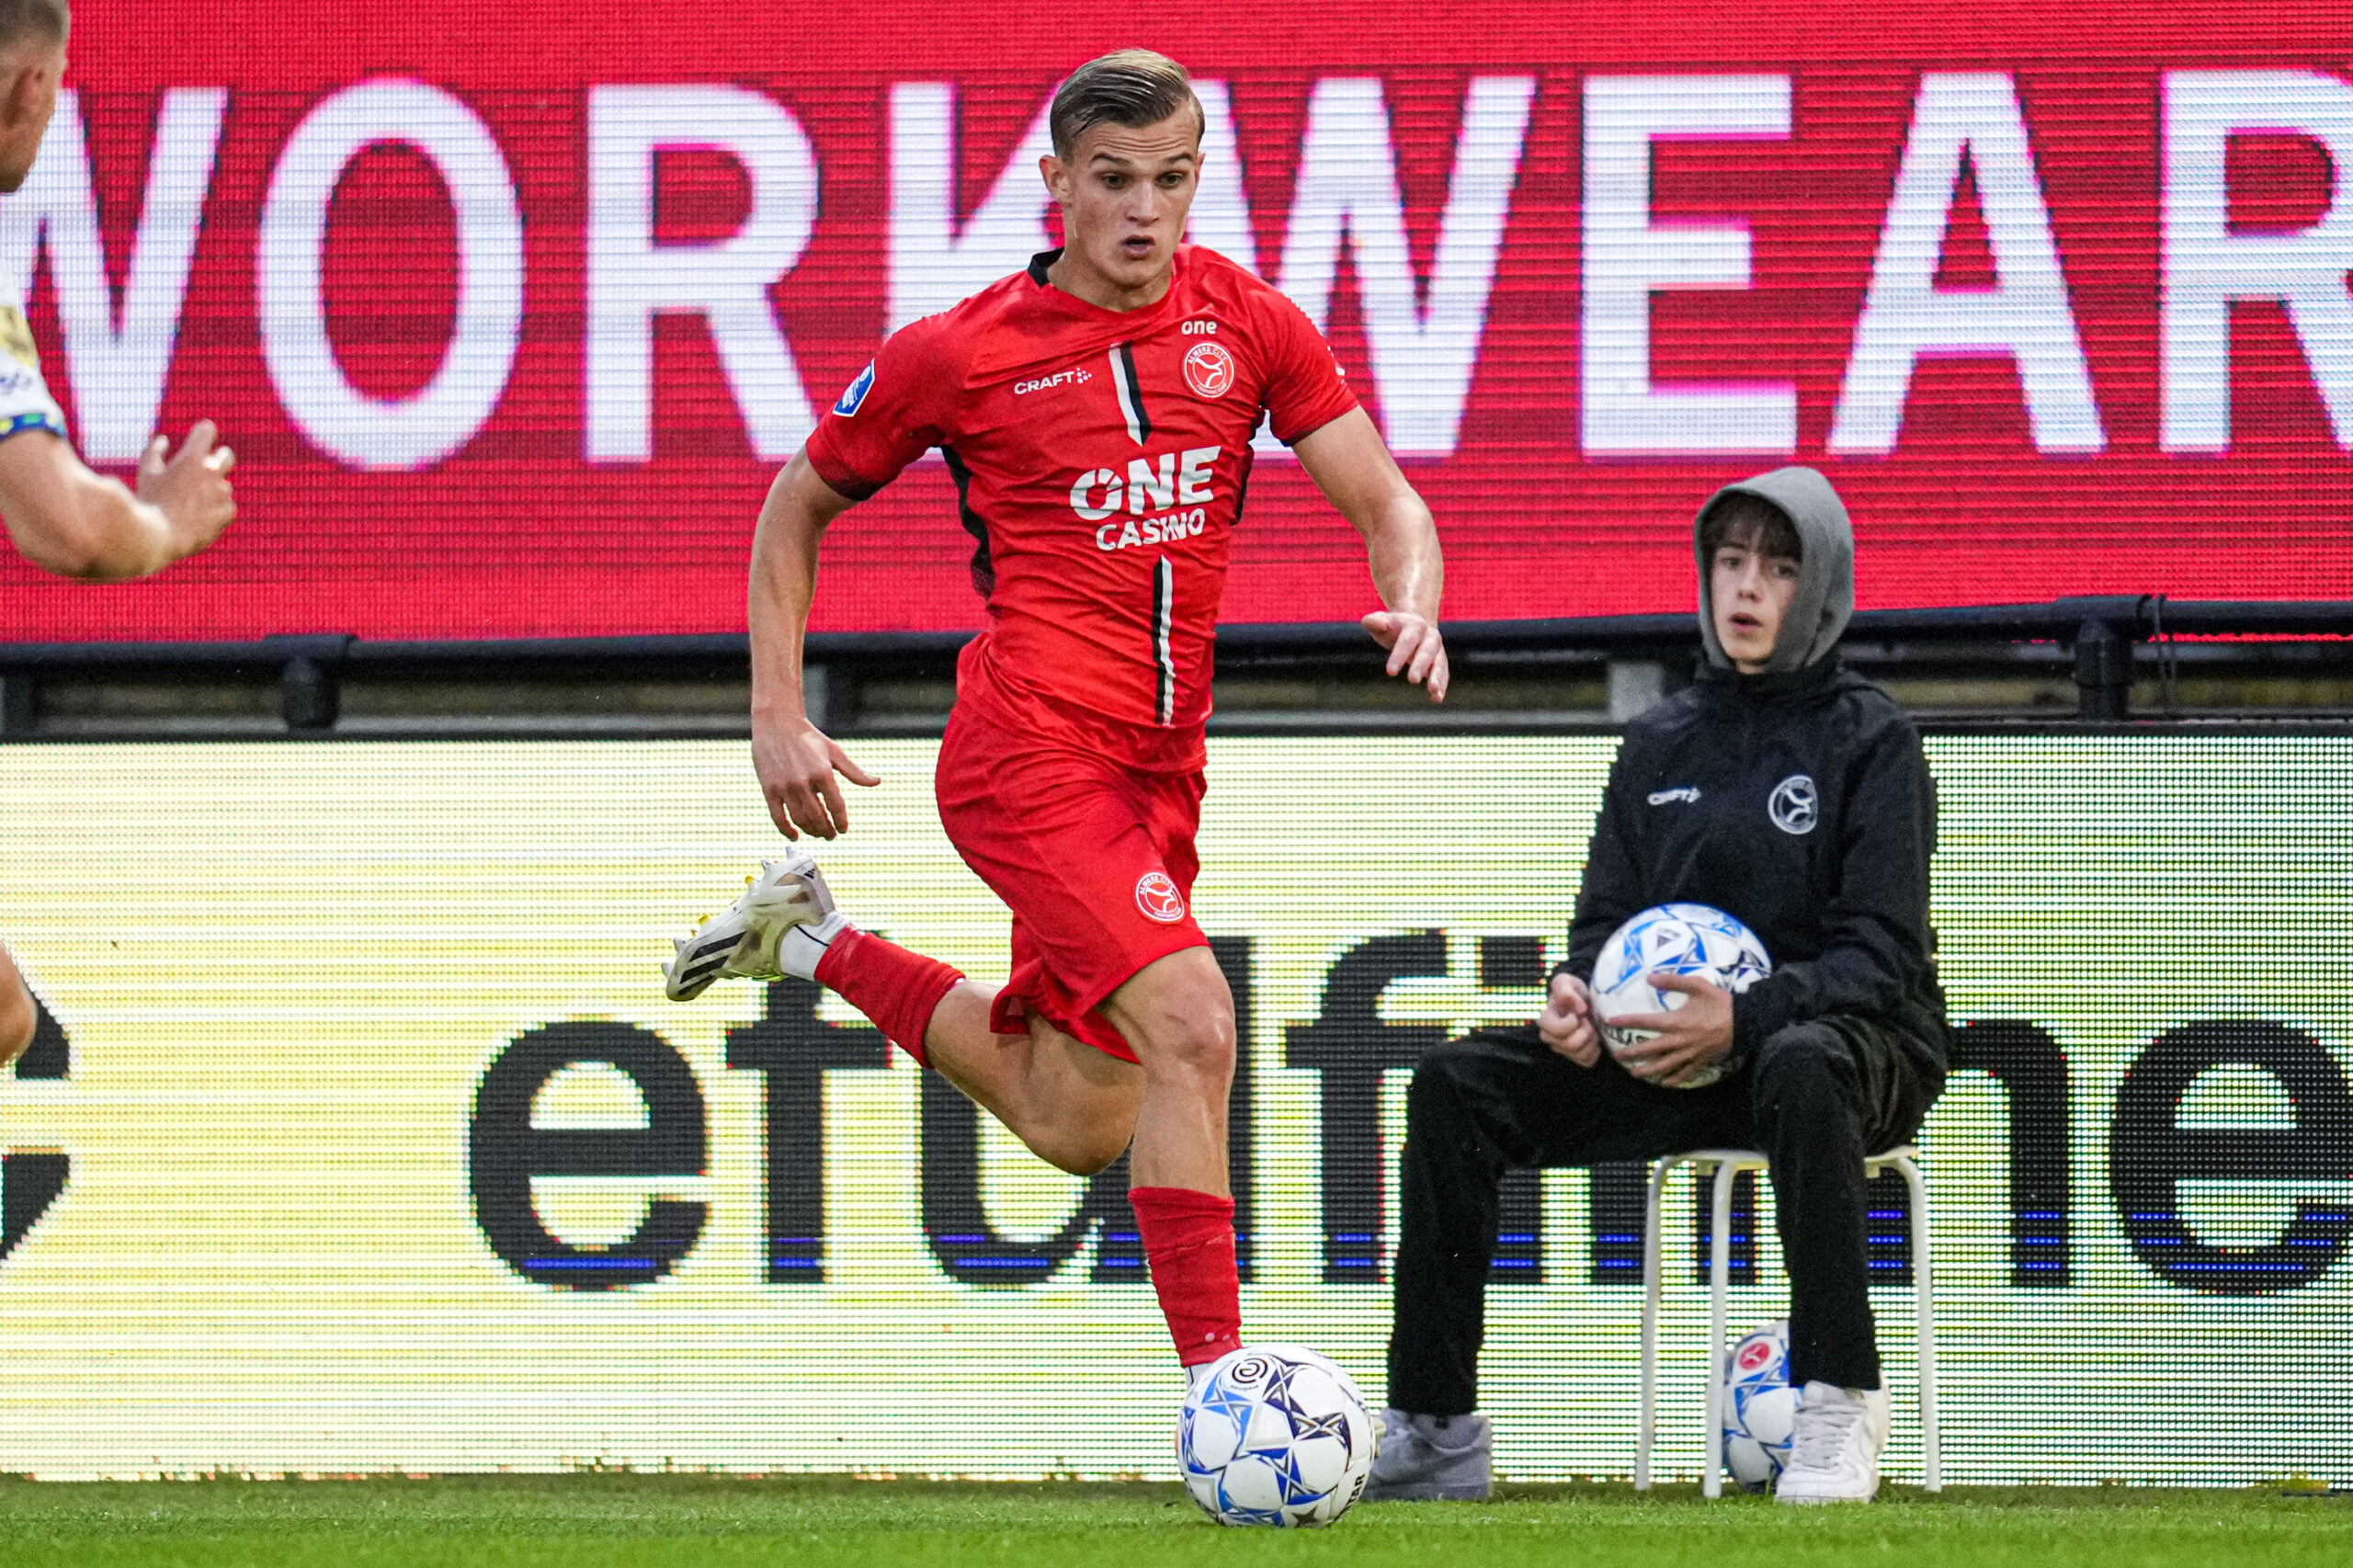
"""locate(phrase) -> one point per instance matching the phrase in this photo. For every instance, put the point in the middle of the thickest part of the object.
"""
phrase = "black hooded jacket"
(1797, 800)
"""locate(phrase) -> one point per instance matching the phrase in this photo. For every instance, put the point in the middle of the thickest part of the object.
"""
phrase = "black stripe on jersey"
(1131, 393)
(1164, 619)
(983, 569)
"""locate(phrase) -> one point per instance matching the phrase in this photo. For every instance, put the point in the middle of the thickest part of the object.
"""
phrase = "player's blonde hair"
(1127, 87)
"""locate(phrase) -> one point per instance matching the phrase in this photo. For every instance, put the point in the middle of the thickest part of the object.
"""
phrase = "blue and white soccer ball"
(1275, 1435)
(1760, 1408)
(1680, 938)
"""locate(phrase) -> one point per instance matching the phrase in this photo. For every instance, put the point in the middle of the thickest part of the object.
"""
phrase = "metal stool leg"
(1711, 1482)
(1925, 1292)
(1646, 1430)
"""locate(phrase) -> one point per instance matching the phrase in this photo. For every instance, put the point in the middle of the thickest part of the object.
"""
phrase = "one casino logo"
(1158, 898)
(1209, 370)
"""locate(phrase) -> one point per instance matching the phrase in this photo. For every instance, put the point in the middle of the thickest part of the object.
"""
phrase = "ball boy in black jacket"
(1793, 793)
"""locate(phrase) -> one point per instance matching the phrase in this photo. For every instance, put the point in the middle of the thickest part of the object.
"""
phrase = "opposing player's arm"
(1352, 465)
(64, 519)
(796, 762)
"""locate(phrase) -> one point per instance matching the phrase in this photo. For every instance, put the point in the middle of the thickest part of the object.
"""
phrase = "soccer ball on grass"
(1759, 1407)
(1274, 1435)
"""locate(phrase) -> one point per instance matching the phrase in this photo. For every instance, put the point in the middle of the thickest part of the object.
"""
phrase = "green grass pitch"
(695, 1521)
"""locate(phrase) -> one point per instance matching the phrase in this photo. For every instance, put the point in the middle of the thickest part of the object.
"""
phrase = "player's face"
(1750, 592)
(1124, 193)
(32, 72)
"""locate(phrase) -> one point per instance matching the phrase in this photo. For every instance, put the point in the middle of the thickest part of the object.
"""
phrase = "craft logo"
(1158, 898)
(1209, 370)
(1070, 378)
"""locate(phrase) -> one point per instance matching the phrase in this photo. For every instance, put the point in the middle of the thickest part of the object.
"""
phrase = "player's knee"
(1200, 1048)
(1435, 1095)
(17, 1018)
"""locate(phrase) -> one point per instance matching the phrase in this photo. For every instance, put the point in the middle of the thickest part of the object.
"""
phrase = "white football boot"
(1835, 1450)
(781, 926)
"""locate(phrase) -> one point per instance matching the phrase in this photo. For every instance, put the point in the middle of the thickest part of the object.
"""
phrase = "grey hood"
(1825, 595)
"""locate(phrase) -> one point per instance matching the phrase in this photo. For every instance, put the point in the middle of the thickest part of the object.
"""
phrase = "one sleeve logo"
(30, 1179)
(1793, 807)
(854, 393)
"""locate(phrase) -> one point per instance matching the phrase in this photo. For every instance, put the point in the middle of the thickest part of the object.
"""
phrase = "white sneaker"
(1835, 1450)
(1431, 1458)
(783, 925)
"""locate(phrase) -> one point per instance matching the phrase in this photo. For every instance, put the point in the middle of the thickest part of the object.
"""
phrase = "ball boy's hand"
(1566, 1022)
(1698, 1032)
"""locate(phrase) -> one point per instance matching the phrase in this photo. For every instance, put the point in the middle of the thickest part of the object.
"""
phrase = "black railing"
(2101, 633)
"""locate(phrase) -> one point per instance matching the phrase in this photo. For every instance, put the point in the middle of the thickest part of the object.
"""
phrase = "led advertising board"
(364, 1139)
(512, 311)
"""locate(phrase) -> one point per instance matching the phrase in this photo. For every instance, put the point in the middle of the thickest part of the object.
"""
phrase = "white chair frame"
(1725, 1166)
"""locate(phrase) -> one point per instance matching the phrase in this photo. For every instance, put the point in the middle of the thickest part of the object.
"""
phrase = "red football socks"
(1188, 1241)
(897, 989)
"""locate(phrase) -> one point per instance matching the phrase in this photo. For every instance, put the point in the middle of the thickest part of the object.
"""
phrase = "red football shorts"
(1094, 860)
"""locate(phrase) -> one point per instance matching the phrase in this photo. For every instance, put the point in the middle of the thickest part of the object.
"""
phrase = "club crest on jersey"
(854, 393)
(1157, 896)
(1209, 370)
(1795, 808)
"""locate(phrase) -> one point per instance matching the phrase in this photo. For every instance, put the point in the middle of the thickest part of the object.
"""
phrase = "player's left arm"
(1352, 465)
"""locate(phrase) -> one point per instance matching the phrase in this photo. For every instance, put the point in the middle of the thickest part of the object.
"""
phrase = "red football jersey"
(1102, 457)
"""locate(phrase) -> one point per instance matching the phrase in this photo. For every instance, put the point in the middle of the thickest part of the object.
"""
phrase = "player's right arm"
(885, 419)
(64, 519)
(796, 762)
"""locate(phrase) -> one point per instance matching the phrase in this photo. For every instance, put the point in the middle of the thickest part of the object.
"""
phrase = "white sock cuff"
(803, 946)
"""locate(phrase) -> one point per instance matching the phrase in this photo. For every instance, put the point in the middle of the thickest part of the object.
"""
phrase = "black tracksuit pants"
(1817, 1098)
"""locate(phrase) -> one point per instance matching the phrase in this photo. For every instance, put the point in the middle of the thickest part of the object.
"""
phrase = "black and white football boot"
(781, 926)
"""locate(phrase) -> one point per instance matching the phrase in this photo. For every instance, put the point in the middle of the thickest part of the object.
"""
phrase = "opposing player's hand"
(191, 488)
(1566, 1022)
(1694, 1034)
(1416, 651)
(797, 764)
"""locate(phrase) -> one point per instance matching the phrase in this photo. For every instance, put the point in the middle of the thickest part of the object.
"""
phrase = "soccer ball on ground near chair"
(1760, 1407)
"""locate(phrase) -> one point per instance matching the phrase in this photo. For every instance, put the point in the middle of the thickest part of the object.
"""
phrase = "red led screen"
(511, 311)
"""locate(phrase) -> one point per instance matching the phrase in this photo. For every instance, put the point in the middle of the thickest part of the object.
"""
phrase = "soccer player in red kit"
(1095, 411)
